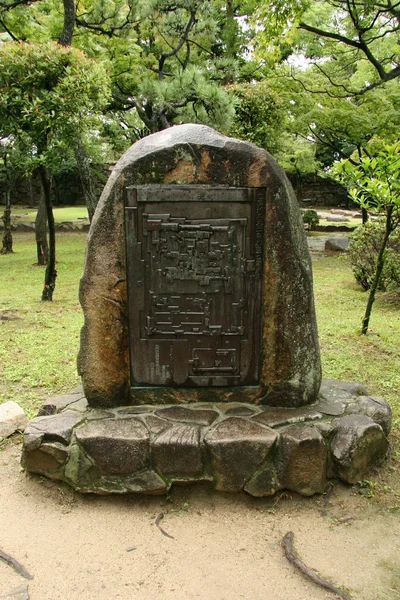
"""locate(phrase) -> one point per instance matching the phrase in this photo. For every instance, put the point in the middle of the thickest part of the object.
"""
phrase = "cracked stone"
(237, 448)
(147, 482)
(47, 459)
(134, 410)
(304, 460)
(117, 446)
(52, 406)
(273, 417)
(176, 451)
(377, 409)
(157, 425)
(238, 411)
(333, 388)
(188, 415)
(51, 428)
(328, 406)
(358, 444)
(265, 482)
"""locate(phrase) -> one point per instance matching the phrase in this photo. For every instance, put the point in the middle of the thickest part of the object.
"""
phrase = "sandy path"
(225, 547)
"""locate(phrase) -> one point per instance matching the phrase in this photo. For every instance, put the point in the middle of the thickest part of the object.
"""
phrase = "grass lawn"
(39, 341)
(25, 214)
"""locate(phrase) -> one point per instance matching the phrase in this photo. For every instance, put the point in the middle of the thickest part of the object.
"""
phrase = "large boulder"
(289, 370)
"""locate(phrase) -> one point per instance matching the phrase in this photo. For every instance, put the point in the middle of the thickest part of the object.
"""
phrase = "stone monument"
(199, 352)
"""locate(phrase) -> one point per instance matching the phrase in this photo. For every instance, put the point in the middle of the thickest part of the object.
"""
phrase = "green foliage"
(364, 247)
(353, 45)
(260, 114)
(48, 94)
(374, 183)
(310, 218)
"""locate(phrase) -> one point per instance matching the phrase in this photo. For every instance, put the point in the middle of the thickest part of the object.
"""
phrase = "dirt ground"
(224, 547)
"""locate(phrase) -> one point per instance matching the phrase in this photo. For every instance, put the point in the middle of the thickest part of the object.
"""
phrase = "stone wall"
(313, 190)
(67, 190)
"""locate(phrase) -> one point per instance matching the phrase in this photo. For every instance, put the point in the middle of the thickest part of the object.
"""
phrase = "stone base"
(258, 449)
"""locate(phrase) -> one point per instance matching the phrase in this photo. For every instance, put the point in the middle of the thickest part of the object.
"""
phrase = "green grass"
(374, 359)
(38, 351)
(24, 214)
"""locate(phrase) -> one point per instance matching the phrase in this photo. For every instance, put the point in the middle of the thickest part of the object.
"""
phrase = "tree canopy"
(310, 80)
(48, 95)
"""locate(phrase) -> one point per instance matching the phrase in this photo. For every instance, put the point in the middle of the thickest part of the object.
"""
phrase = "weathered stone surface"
(273, 417)
(80, 469)
(157, 425)
(133, 410)
(237, 410)
(51, 428)
(147, 482)
(195, 154)
(334, 389)
(12, 419)
(237, 448)
(304, 460)
(337, 219)
(337, 244)
(328, 406)
(188, 415)
(47, 459)
(74, 401)
(117, 446)
(147, 454)
(265, 482)
(358, 444)
(176, 451)
(377, 409)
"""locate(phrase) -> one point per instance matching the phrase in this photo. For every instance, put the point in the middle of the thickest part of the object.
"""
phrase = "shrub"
(365, 243)
(310, 218)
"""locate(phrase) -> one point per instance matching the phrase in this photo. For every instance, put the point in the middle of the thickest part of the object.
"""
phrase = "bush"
(310, 218)
(364, 246)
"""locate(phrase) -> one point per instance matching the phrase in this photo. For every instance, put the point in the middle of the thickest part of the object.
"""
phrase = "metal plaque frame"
(195, 270)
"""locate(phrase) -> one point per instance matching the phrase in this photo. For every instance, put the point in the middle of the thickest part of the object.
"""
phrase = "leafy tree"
(260, 115)
(352, 44)
(310, 219)
(374, 184)
(364, 247)
(48, 93)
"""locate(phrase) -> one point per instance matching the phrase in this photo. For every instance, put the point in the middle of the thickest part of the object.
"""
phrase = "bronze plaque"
(194, 260)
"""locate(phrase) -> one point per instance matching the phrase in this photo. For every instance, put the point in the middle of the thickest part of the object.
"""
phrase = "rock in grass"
(12, 419)
(338, 244)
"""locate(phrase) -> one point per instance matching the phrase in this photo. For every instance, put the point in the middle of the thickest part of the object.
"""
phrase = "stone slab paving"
(258, 449)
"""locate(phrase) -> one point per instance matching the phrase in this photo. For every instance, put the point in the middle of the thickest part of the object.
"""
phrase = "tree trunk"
(364, 216)
(41, 233)
(378, 272)
(7, 235)
(51, 273)
(85, 174)
(31, 202)
(69, 23)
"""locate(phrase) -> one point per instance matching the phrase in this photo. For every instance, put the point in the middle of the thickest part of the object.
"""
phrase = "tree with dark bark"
(49, 94)
(6, 174)
(375, 185)
(353, 44)
(14, 158)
